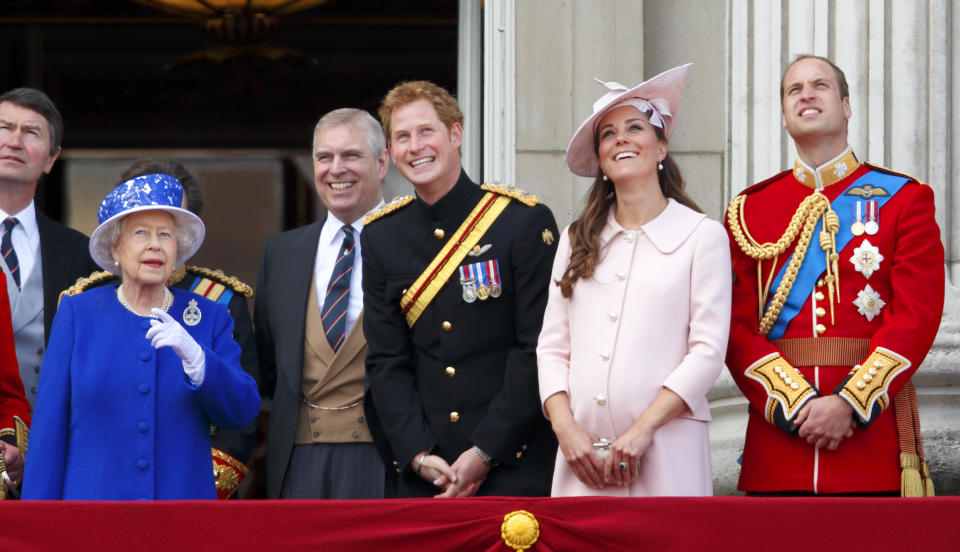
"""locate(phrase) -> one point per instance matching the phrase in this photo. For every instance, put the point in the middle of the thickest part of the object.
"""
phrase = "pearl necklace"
(164, 305)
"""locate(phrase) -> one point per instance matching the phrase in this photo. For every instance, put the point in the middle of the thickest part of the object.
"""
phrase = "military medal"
(866, 259)
(494, 273)
(483, 290)
(873, 218)
(469, 285)
(192, 314)
(857, 228)
(869, 303)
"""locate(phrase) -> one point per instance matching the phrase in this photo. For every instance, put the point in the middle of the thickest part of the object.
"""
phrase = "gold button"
(794, 386)
(451, 371)
(819, 295)
(821, 328)
(601, 400)
(861, 385)
(447, 326)
(524, 447)
(820, 282)
(438, 233)
(454, 417)
(519, 455)
(867, 377)
(821, 311)
(872, 371)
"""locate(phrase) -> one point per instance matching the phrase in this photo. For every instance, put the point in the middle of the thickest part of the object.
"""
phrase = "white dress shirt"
(328, 249)
(25, 238)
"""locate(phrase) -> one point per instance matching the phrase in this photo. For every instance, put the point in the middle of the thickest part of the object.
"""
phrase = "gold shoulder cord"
(803, 222)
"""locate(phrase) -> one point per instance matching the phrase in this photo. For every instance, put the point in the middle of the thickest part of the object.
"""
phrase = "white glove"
(167, 332)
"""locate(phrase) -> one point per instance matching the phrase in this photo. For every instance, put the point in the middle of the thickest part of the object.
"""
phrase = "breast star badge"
(868, 302)
(866, 259)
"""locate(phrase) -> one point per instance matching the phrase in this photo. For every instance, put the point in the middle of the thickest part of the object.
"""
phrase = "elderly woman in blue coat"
(135, 374)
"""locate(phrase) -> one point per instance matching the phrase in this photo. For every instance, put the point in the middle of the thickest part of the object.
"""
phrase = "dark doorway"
(133, 81)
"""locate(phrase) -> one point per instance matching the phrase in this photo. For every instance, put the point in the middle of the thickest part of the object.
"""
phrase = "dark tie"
(334, 314)
(6, 246)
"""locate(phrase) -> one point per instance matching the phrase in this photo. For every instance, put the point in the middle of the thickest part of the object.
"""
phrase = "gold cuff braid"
(784, 385)
(871, 380)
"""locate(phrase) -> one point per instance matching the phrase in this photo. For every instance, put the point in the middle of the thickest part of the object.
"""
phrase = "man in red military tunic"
(838, 293)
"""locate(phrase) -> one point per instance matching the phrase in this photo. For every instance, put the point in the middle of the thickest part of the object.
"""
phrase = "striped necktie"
(6, 247)
(334, 314)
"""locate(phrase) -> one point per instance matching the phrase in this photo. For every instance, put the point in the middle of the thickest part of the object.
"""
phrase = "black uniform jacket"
(466, 373)
(65, 257)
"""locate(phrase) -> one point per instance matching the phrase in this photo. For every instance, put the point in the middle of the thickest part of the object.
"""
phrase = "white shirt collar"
(331, 226)
(27, 218)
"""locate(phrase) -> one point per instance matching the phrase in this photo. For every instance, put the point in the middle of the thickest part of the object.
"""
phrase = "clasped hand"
(167, 332)
(825, 421)
(463, 478)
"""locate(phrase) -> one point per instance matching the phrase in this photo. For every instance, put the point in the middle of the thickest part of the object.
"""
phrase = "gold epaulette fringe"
(395, 205)
(511, 191)
(85, 282)
(218, 275)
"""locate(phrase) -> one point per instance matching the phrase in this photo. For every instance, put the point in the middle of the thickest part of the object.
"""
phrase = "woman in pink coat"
(635, 330)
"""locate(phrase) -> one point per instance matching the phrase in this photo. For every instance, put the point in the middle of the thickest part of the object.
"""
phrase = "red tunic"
(909, 281)
(12, 401)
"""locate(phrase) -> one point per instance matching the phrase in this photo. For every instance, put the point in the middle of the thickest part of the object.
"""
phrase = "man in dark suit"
(41, 257)
(307, 323)
(455, 285)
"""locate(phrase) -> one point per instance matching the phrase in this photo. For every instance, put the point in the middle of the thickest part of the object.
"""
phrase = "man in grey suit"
(308, 324)
(41, 257)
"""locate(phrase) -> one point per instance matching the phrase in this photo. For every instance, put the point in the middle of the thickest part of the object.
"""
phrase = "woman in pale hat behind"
(135, 374)
(636, 325)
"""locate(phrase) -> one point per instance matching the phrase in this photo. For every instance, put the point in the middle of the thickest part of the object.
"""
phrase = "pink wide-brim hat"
(662, 91)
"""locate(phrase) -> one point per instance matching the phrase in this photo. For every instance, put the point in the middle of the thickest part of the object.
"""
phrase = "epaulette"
(511, 191)
(218, 277)
(396, 204)
(894, 173)
(86, 282)
(763, 184)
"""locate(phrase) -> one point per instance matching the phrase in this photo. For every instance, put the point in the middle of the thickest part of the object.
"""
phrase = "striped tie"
(334, 314)
(6, 246)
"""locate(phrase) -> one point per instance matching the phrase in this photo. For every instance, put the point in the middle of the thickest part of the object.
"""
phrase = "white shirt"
(328, 249)
(25, 238)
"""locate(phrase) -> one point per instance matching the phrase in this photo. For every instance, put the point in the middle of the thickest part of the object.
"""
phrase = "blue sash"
(815, 262)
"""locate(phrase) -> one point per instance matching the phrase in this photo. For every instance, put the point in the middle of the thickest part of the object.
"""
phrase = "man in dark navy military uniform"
(455, 284)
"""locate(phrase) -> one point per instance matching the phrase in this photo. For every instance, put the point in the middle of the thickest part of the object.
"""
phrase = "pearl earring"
(605, 178)
(660, 166)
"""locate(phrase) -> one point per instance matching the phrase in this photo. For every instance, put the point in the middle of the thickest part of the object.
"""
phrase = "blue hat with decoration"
(149, 192)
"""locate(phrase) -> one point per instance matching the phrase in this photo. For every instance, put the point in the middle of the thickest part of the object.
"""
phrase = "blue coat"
(116, 419)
